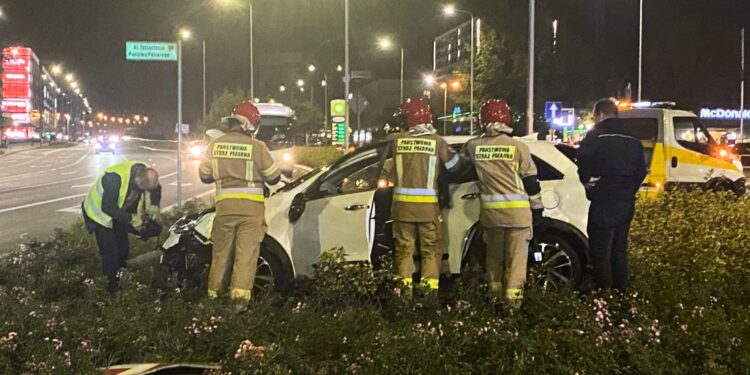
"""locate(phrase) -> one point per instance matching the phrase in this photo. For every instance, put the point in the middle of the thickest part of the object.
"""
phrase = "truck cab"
(679, 150)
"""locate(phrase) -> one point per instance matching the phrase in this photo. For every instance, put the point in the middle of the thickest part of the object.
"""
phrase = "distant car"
(109, 143)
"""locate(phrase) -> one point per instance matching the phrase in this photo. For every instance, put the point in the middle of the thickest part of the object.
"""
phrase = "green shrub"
(315, 157)
(686, 313)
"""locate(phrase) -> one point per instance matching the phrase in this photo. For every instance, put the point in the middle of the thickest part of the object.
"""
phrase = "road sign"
(567, 117)
(151, 51)
(185, 128)
(552, 110)
(338, 108)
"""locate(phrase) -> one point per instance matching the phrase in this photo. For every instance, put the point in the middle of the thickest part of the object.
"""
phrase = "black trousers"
(114, 249)
(608, 227)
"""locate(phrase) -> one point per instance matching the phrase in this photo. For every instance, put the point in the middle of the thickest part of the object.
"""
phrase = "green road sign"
(151, 51)
(338, 107)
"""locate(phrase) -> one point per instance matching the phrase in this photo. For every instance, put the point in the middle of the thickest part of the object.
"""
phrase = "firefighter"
(418, 156)
(116, 205)
(509, 192)
(239, 165)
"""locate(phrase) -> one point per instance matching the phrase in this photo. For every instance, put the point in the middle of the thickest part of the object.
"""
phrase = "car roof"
(654, 112)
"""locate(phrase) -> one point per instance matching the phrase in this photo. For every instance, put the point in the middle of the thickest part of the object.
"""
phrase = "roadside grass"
(315, 157)
(687, 313)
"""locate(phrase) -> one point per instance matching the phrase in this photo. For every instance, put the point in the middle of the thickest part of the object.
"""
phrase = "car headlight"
(737, 164)
(98, 145)
(195, 151)
(287, 157)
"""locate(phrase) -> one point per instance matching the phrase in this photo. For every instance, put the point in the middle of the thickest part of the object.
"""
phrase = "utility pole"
(402, 75)
(347, 74)
(179, 124)
(204, 79)
(471, 84)
(742, 83)
(252, 72)
(640, 50)
(530, 100)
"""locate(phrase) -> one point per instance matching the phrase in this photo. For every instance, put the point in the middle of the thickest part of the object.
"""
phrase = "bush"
(315, 157)
(686, 313)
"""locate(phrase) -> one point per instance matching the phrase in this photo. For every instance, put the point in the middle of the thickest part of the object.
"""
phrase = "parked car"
(346, 205)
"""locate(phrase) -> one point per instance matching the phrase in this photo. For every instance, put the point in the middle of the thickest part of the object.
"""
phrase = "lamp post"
(386, 44)
(530, 83)
(185, 34)
(449, 10)
(252, 71)
(640, 49)
(347, 74)
(204, 79)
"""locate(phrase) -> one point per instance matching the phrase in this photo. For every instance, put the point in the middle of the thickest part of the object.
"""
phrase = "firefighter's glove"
(154, 213)
(537, 217)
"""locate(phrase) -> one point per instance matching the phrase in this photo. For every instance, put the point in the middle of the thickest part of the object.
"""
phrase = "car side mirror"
(297, 207)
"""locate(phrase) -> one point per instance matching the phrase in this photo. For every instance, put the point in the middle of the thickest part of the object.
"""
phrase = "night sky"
(691, 46)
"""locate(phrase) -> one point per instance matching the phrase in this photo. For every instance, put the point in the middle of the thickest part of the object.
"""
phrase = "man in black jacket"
(109, 211)
(612, 167)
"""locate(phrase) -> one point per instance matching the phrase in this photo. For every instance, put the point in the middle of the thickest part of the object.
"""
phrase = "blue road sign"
(552, 110)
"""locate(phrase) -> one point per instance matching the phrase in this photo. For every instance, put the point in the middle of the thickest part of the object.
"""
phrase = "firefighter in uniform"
(418, 156)
(509, 192)
(239, 165)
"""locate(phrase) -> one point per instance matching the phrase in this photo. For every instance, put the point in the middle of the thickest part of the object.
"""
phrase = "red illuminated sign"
(15, 76)
(22, 91)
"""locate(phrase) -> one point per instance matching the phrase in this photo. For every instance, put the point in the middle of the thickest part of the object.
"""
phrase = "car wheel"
(553, 264)
(271, 275)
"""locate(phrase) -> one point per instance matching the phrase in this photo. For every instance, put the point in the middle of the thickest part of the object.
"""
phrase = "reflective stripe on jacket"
(417, 160)
(92, 205)
(502, 163)
(239, 165)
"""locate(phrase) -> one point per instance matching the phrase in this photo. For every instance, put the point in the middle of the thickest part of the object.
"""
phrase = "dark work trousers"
(114, 249)
(608, 227)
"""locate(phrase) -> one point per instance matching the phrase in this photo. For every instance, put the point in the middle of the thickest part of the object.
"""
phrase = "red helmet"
(416, 112)
(247, 114)
(495, 110)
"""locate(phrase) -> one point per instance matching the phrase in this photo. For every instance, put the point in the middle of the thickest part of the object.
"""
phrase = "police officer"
(239, 165)
(612, 168)
(115, 206)
(509, 191)
(418, 156)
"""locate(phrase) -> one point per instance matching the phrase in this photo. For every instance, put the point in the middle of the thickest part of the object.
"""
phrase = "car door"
(339, 210)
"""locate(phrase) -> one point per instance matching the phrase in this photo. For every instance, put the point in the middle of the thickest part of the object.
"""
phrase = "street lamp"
(450, 10)
(311, 68)
(429, 80)
(183, 35)
(386, 44)
(69, 77)
(56, 70)
(300, 82)
(282, 88)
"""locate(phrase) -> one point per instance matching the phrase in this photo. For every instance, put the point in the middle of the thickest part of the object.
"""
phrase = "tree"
(221, 106)
(309, 118)
(499, 72)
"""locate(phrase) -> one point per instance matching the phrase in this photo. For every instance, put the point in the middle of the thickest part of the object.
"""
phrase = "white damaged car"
(342, 205)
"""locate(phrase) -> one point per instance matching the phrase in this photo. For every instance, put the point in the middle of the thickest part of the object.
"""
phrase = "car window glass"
(359, 172)
(545, 171)
(690, 130)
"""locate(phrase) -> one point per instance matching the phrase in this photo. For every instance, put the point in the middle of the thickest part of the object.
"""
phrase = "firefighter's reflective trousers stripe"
(236, 249)
(500, 201)
(507, 254)
(251, 193)
(414, 195)
(430, 235)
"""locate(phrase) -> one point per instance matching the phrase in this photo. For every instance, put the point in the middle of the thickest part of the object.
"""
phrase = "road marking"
(183, 184)
(48, 184)
(69, 172)
(201, 195)
(71, 210)
(41, 203)
(81, 186)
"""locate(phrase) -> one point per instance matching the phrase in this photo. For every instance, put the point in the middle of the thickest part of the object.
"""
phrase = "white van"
(679, 150)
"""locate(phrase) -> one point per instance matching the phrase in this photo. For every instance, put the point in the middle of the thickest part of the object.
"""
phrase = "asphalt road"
(42, 189)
